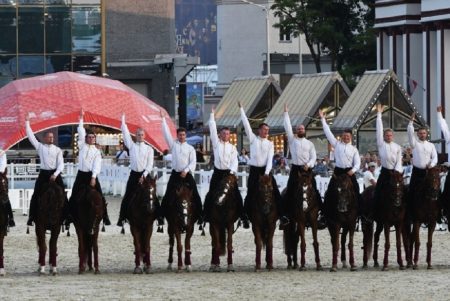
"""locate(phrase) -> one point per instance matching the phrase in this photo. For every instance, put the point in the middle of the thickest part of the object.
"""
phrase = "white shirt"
(89, 156)
(49, 154)
(345, 154)
(261, 149)
(225, 153)
(141, 154)
(302, 150)
(368, 176)
(390, 153)
(121, 155)
(183, 154)
(2, 161)
(424, 152)
(445, 132)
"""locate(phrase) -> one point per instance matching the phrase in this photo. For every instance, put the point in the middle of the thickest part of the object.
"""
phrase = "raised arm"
(288, 125)
(30, 133)
(411, 138)
(166, 131)
(379, 125)
(213, 129)
(81, 131)
(443, 124)
(2, 161)
(126, 133)
(326, 129)
(149, 166)
(248, 129)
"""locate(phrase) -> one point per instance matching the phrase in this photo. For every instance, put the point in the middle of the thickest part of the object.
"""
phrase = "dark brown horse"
(304, 211)
(341, 211)
(425, 208)
(181, 217)
(367, 222)
(3, 217)
(141, 215)
(49, 217)
(263, 216)
(223, 215)
(89, 213)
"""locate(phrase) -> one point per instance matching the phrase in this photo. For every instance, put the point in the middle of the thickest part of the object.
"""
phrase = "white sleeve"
(2, 161)
(356, 161)
(411, 138)
(434, 158)
(379, 131)
(312, 155)
(166, 132)
(97, 165)
(248, 129)
(59, 163)
(81, 134)
(269, 160)
(288, 127)
(399, 165)
(234, 161)
(326, 129)
(126, 134)
(444, 127)
(36, 144)
(213, 130)
(192, 161)
(149, 166)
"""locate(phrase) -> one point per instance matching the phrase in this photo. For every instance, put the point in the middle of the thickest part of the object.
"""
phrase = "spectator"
(321, 168)
(167, 158)
(369, 175)
(199, 153)
(243, 157)
(122, 154)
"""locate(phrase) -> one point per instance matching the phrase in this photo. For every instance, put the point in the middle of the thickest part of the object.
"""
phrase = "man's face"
(181, 136)
(301, 132)
(263, 131)
(346, 137)
(140, 135)
(422, 134)
(48, 138)
(90, 139)
(388, 136)
(224, 135)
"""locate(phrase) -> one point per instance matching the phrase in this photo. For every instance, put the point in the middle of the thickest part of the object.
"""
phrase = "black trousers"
(252, 190)
(292, 186)
(176, 181)
(44, 178)
(83, 178)
(217, 176)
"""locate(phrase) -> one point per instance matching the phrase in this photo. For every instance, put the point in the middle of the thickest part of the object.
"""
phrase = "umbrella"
(56, 99)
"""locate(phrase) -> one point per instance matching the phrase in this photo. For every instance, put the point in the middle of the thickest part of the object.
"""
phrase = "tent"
(56, 99)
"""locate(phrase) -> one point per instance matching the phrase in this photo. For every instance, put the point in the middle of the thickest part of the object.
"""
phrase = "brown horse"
(89, 213)
(49, 217)
(181, 217)
(3, 217)
(305, 211)
(263, 216)
(425, 208)
(141, 215)
(391, 211)
(341, 211)
(367, 222)
(223, 215)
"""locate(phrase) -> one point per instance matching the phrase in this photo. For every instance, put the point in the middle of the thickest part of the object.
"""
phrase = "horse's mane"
(218, 192)
(51, 203)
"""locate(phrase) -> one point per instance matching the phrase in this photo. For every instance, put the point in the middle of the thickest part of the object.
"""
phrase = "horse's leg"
(343, 253)
(40, 235)
(89, 250)
(334, 235)
(147, 248)
(416, 243)
(269, 245)
(81, 252)
(431, 227)
(387, 246)
(171, 243)
(95, 249)
(215, 246)
(398, 238)
(314, 228)
(179, 249)
(137, 249)
(187, 247)
(54, 248)
(406, 237)
(351, 247)
(258, 244)
(2, 266)
(301, 231)
(367, 229)
(376, 244)
(230, 230)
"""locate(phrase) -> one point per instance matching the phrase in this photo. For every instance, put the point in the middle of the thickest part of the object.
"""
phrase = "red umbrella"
(56, 99)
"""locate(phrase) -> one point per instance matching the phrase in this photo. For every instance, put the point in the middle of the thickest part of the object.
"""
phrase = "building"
(414, 40)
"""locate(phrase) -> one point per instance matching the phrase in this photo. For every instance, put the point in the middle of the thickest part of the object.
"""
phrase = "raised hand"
(239, 104)
(81, 113)
(380, 108)
(439, 109)
(413, 115)
(321, 113)
(285, 107)
(27, 116)
(161, 113)
(212, 109)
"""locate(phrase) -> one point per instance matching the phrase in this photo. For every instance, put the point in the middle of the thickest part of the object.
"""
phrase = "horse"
(141, 215)
(89, 213)
(341, 211)
(49, 216)
(181, 217)
(3, 217)
(304, 211)
(224, 213)
(367, 222)
(263, 216)
(425, 208)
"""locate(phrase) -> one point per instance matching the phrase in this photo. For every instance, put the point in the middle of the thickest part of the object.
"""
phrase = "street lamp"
(267, 10)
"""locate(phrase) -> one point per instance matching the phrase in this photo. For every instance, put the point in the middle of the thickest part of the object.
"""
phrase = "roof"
(249, 91)
(364, 96)
(303, 96)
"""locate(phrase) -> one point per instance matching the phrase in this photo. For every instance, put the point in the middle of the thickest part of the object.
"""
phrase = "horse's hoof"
(402, 267)
(290, 267)
(319, 268)
(430, 267)
(257, 269)
(301, 269)
(230, 268)
(169, 267)
(2, 272)
(333, 269)
(137, 270)
(353, 268)
(90, 269)
(42, 271)
(376, 265)
(409, 265)
(80, 272)
(54, 271)
(97, 272)
(147, 269)
(344, 266)
(385, 268)
(269, 267)
(180, 269)
(188, 268)
(295, 266)
(415, 267)
(365, 267)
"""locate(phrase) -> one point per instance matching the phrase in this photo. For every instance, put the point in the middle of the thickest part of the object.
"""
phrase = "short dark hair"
(90, 132)
(179, 130)
(47, 132)
(422, 128)
(225, 128)
(263, 124)
(348, 131)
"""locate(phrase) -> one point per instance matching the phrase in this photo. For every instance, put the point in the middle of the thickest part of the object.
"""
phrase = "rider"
(141, 164)
(261, 150)
(446, 132)
(183, 165)
(225, 163)
(346, 156)
(304, 157)
(7, 204)
(89, 166)
(52, 164)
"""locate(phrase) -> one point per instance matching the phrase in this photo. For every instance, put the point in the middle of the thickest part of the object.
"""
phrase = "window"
(285, 33)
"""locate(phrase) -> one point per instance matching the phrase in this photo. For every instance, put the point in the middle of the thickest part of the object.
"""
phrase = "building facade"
(414, 40)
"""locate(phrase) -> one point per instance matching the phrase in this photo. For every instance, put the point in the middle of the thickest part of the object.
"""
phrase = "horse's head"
(432, 183)
(305, 188)
(265, 197)
(344, 191)
(397, 187)
(149, 189)
(3, 187)
(184, 202)
(226, 188)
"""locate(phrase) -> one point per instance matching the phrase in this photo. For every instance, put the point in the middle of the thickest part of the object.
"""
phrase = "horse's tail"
(367, 229)
(222, 240)
(290, 239)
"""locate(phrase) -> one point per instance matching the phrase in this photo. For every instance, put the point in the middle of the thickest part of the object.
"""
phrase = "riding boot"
(123, 209)
(106, 220)
(31, 212)
(11, 222)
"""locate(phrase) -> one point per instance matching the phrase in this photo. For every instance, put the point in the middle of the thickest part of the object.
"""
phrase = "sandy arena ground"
(118, 283)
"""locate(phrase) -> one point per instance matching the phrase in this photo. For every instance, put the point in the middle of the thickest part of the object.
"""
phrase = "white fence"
(113, 179)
